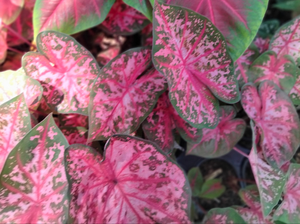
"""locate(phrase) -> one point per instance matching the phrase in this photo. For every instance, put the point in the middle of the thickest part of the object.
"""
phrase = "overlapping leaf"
(295, 92)
(287, 40)
(237, 20)
(161, 122)
(223, 216)
(280, 70)
(122, 19)
(121, 99)
(142, 6)
(288, 211)
(219, 141)
(75, 135)
(14, 125)
(135, 185)
(69, 16)
(33, 187)
(10, 9)
(192, 54)
(73, 120)
(269, 181)
(13, 83)
(274, 114)
(65, 69)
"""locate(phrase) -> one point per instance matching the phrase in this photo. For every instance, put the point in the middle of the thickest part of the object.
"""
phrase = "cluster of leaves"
(198, 62)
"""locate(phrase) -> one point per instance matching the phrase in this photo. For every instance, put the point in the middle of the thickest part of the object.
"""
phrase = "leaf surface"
(135, 185)
(195, 180)
(73, 120)
(65, 69)
(121, 98)
(192, 54)
(223, 216)
(237, 20)
(295, 92)
(143, 6)
(10, 9)
(14, 125)
(274, 114)
(3, 42)
(33, 184)
(69, 16)
(212, 189)
(75, 135)
(220, 140)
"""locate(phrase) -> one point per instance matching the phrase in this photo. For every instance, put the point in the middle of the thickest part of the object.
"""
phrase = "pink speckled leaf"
(287, 40)
(73, 120)
(238, 20)
(270, 181)
(288, 211)
(142, 6)
(14, 125)
(75, 135)
(146, 35)
(160, 124)
(135, 183)
(33, 183)
(13, 83)
(122, 19)
(280, 70)
(262, 43)
(219, 141)
(192, 54)
(121, 98)
(223, 216)
(10, 9)
(65, 69)
(295, 92)
(69, 16)
(277, 120)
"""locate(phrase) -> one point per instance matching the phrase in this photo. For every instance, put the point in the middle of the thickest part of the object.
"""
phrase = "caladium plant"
(192, 75)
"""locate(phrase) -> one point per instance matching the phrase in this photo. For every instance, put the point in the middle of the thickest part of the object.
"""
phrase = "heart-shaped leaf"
(33, 183)
(65, 69)
(122, 19)
(192, 54)
(14, 125)
(287, 40)
(280, 70)
(161, 122)
(143, 6)
(295, 92)
(237, 20)
(274, 114)
(219, 141)
(270, 181)
(136, 185)
(223, 216)
(69, 16)
(288, 211)
(195, 180)
(10, 9)
(13, 83)
(121, 98)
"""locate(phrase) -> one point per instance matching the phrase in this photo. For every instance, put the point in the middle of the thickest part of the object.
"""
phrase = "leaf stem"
(15, 50)
(16, 34)
(240, 152)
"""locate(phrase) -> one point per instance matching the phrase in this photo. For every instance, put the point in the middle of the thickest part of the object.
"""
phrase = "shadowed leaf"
(223, 216)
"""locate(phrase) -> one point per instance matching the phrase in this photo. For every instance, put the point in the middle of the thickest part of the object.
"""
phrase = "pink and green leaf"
(280, 70)
(122, 19)
(65, 69)
(287, 40)
(277, 120)
(196, 180)
(211, 189)
(192, 54)
(14, 125)
(69, 16)
(146, 35)
(219, 141)
(288, 210)
(143, 6)
(237, 20)
(295, 92)
(136, 185)
(223, 216)
(9, 10)
(73, 120)
(75, 135)
(33, 182)
(121, 98)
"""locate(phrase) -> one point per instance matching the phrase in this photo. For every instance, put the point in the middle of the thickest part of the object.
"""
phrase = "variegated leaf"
(13, 83)
(136, 185)
(122, 19)
(269, 181)
(33, 183)
(9, 10)
(280, 70)
(146, 34)
(73, 120)
(143, 6)
(14, 125)
(295, 92)
(195, 180)
(192, 54)
(288, 211)
(262, 44)
(237, 20)
(212, 189)
(219, 141)
(65, 69)
(274, 114)
(223, 216)
(287, 40)
(75, 135)
(69, 16)
(121, 99)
